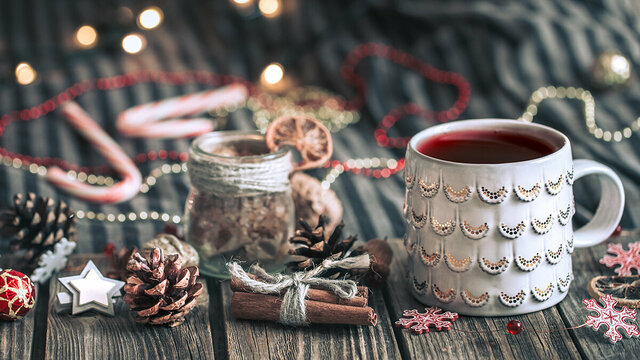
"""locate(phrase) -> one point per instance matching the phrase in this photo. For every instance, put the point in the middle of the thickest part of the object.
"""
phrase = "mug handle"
(610, 208)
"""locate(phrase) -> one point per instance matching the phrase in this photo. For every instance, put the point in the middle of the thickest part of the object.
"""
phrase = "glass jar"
(240, 205)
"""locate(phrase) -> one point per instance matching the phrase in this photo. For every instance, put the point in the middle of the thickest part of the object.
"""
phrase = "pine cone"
(160, 290)
(315, 246)
(36, 224)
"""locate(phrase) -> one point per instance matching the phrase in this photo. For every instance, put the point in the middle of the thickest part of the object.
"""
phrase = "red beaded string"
(408, 61)
(181, 78)
(514, 327)
(375, 173)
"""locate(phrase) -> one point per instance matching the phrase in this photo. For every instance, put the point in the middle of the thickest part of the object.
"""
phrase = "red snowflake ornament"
(626, 259)
(17, 295)
(612, 318)
(420, 322)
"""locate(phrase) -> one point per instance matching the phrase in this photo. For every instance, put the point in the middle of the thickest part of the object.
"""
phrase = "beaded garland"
(561, 92)
(263, 107)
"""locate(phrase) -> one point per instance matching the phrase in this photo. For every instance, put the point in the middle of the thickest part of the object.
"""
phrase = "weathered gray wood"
(592, 344)
(460, 344)
(16, 337)
(257, 339)
(94, 336)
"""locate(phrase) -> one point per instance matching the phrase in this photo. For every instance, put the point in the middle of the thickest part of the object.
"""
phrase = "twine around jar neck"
(240, 175)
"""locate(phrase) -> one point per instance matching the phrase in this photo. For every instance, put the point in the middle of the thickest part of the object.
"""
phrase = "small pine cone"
(315, 245)
(159, 289)
(35, 224)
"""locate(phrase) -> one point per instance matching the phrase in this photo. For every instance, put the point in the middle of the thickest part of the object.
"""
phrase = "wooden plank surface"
(16, 337)
(92, 336)
(95, 336)
(592, 344)
(465, 340)
(258, 339)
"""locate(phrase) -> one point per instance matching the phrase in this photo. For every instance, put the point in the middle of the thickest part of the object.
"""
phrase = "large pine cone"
(35, 224)
(159, 289)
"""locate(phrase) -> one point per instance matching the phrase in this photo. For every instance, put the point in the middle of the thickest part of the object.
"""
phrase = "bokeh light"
(25, 73)
(133, 43)
(273, 74)
(242, 2)
(86, 36)
(150, 18)
(124, 15)
(269, 8)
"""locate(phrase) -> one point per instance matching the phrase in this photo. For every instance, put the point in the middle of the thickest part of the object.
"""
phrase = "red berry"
(173, 230)
(109, 249)
(514, 327)
(617, 231)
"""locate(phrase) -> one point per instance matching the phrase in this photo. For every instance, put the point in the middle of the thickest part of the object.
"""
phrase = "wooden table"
(210, 331)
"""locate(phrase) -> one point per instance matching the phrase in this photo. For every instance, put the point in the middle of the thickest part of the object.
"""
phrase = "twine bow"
(293, 310)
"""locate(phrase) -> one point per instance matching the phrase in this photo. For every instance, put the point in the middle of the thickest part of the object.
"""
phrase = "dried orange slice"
(305, 134)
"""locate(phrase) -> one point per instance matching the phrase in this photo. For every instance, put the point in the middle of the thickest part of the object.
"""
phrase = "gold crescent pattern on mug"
(542, 295)
(493, 197)
(512, 232)
(419, 287)
(570, 245)
(554, 188)
(527, 194)
(409, 180)
(430, 259)
(458, 265)
(418, 221)
(564, 216)
(443, 229)
(569, 176)
(474, 232)
(553, 257)
(565, 282)
(457, 196)
(528, 265)
(429, 190)
(512, 301)
(475, 301)
(495, 268)
(542, 227)
(444, 296)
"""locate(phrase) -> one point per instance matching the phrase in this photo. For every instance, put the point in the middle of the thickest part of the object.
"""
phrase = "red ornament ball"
(17, 295)
(514, 327)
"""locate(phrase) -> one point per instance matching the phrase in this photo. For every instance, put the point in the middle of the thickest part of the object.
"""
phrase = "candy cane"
(142, 120)
(127, 188)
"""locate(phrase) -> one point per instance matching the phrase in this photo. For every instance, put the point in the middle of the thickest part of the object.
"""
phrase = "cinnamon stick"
(360, 300)
(267, 308)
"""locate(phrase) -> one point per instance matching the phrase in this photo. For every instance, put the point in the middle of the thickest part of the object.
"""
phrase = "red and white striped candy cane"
(143, 120)
(124, 190)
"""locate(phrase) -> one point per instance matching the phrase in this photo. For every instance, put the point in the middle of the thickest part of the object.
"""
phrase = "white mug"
(496, 239)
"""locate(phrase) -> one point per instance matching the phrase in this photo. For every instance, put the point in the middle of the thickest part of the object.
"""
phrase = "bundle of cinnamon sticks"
(322, 307)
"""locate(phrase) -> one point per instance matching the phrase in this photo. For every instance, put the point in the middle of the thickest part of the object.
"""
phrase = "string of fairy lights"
(86, 37)
(274, 80)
